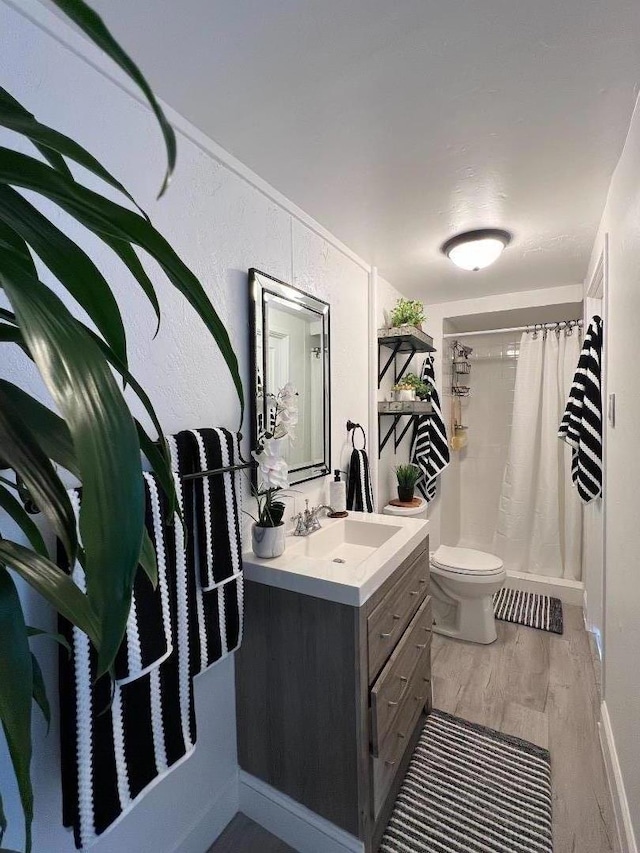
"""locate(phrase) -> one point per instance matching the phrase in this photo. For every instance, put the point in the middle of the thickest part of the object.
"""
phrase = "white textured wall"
(221, 224)
(621, 221)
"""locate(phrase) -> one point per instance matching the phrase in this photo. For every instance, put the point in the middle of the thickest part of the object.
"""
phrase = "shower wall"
(488, 413)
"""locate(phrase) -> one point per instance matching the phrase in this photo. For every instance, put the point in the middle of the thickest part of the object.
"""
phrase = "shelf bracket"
(400, 373)
(398, 440)
(394, 352)
(389, 433)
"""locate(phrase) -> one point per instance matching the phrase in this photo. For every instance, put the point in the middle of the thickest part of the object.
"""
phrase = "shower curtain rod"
(560, 324)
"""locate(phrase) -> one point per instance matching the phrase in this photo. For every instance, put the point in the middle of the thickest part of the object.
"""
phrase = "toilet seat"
(466, 561)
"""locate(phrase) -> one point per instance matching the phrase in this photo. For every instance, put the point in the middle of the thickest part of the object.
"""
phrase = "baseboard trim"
(212, 821)
(622, 813)
(293, 823)
(569, 592)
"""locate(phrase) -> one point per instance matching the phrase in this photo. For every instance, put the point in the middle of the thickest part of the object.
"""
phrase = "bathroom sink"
(347, 541)
(347, 560)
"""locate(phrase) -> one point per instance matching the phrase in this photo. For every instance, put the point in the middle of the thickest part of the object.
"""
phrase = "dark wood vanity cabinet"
(331, 698)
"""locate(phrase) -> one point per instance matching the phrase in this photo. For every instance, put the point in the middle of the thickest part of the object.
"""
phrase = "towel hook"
(352, 427)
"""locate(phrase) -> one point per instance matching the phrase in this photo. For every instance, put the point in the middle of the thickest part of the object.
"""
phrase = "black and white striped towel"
(581, 425)
(213, 549)
(359, 492)
(430, 448)
(113, 748)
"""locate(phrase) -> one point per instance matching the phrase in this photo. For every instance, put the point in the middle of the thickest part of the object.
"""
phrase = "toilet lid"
(466, 561)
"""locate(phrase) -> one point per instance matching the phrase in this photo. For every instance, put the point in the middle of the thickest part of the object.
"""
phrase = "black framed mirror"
(290, 343)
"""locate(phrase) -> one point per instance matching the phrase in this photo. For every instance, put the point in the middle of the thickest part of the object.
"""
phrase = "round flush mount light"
(475, 250)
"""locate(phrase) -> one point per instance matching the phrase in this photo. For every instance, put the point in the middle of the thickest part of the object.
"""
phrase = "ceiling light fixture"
(475, 250)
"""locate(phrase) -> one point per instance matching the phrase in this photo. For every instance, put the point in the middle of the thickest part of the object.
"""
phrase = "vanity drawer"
(392, 748)
(395, 680)
(388, 620)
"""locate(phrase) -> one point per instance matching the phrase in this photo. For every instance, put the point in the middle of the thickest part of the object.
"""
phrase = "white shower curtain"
(539, 527)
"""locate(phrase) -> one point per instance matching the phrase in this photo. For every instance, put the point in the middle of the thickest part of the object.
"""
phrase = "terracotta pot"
(268, 542)
(405, 493)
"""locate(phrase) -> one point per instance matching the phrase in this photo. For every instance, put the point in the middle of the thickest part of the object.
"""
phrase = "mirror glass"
(290, 344)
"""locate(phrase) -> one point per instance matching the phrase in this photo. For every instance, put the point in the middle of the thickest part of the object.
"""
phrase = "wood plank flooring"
(541, 687)
(243, 835)
(532, 684)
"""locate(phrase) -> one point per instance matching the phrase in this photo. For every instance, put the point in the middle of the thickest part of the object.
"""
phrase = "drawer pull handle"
(405, 682)
(390, 763)
(385, 636)
(396, 616)
(400, 735)
(421, 645)
(423, 580)
(417, 592)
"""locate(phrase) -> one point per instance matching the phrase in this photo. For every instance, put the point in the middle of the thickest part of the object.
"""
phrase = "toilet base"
(469, 619)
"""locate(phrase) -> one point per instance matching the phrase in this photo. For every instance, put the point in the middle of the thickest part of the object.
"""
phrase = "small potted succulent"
(268, 530)
(407, 312)
(407, 476)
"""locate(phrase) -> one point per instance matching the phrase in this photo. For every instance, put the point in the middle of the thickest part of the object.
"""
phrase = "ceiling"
(397, 124)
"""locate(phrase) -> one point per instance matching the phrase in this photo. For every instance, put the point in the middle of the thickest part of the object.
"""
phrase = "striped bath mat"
(528, 608)
(469, 789)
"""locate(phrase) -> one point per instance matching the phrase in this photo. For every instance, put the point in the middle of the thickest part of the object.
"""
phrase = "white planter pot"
(268, 542)
(405, 396)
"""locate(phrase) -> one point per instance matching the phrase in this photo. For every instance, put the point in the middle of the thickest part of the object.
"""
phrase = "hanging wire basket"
(462, 367)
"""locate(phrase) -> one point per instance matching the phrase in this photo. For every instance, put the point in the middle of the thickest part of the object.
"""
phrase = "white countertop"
(346, 583)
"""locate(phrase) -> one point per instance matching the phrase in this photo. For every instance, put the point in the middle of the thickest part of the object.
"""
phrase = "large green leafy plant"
(93, 434)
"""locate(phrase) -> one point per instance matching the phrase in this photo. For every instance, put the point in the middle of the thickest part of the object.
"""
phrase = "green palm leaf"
(40, 691)
(22, 452)
(51, 143)
(16, 687)
(50, 431)
(105, 442)
(54, 585)
(106, 217)
(93, 26)
(24, 521)
(70, 265)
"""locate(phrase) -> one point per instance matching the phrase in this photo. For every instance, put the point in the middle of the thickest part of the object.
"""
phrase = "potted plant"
(89, 430)
(407, 476)
(422, 389)
(268, 532)
(404, 391)
(407, 312)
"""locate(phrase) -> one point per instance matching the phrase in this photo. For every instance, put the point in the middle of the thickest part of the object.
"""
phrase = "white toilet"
(463, 583)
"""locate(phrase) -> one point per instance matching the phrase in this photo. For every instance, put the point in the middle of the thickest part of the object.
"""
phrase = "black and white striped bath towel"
(360, 492)
(581, 425)
(114, 747)
(213, 548)
(430, 448)
(112, 753)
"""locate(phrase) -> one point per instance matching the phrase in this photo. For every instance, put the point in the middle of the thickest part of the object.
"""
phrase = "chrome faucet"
(309, 521)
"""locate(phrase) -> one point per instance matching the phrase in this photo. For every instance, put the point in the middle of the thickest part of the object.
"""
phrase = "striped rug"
(528, 608)
(469, 789)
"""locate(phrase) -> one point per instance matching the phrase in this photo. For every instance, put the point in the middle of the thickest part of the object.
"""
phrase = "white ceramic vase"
(405, 396)
(267, 542)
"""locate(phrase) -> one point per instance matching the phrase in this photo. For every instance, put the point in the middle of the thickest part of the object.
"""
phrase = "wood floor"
(541, 687)
(244, 836)
(533, 684)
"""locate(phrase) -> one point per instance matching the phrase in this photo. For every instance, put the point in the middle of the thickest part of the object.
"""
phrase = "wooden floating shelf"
(405, 407)
(406, 339)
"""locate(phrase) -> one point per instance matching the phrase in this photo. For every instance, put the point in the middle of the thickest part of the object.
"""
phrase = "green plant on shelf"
(412, 382)
(407, 475)
(407, 312)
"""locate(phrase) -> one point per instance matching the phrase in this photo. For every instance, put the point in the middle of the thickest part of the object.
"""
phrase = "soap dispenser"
(338, 493)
